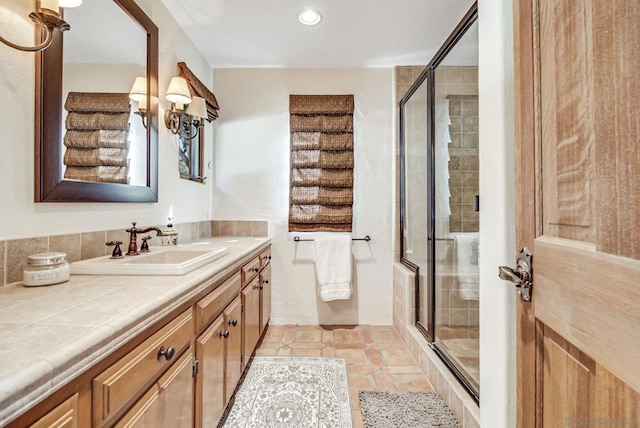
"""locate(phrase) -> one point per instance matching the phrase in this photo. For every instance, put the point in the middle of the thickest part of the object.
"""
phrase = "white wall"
(497, 214)
(252, 173)
(19, 215)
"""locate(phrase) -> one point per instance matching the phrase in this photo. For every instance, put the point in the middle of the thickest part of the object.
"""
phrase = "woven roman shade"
(321, 192)
(96, 139)
(197, 88)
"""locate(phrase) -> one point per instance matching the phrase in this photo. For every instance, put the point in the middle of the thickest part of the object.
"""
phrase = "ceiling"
(353, 33)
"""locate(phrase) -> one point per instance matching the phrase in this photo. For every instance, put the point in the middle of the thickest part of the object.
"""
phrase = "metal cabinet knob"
(168, 353)
(224, 334)
(233, 322)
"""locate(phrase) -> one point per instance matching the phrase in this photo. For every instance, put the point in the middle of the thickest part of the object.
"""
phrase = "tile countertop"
(51, 334)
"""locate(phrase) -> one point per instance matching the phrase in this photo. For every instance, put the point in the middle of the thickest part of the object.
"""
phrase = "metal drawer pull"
(167, 354)
(233, 322)
(224, 334)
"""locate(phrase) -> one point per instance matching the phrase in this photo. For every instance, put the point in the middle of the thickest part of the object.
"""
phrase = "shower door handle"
(521, 276)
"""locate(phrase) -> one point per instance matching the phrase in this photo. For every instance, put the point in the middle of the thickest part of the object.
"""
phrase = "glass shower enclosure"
(439, 207)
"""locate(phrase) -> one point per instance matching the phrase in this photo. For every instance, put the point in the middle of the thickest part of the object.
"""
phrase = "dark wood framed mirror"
(50, 185)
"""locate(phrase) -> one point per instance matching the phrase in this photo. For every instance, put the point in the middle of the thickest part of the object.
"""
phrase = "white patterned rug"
(288, 392)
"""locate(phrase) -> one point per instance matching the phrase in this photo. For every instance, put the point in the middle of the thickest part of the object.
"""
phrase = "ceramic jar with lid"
(45, 269)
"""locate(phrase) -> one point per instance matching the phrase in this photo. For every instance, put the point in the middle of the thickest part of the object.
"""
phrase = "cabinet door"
(210, 353)
(265, 297)
(233, 322)
(250, 318)
(168, 403)
(250, 270)
(116, 387)
(63, 416)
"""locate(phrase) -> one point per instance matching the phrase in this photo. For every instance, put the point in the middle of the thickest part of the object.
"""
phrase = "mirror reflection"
(98, 61)
(103, 139)
(191, 148)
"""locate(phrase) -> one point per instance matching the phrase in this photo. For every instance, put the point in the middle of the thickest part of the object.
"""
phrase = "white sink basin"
(159, 261)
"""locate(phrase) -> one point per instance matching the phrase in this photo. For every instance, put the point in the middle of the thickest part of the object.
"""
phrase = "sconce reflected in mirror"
(48, 16)
(179, 95)
(138, 93)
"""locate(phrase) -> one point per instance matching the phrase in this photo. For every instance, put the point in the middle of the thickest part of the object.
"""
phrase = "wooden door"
(265, 297)
(233, 322)
(250, 318)
(63, 416)
(210, 353)
(578, 209)
(168, 403)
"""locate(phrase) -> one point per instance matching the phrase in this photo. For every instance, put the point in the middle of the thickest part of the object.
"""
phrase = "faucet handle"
(144, 248)
(117, 252)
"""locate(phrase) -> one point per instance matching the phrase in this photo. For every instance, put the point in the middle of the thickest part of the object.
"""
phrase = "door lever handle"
(507, 274)
(521, 276)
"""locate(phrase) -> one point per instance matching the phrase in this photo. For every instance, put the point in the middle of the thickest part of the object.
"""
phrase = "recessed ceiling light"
(310, 17)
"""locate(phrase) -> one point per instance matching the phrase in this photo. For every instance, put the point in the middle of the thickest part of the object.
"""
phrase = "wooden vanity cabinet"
(180, 374)
(218, 350)
(210, 386)
(265, 297)
(117, 386)
(233, 370)
(168, 403)
(250, 318)
(250, 270)
(66, 415)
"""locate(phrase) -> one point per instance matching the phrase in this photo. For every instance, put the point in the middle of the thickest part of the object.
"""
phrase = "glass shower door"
(415, 210)
(439, 218)
(456, 217)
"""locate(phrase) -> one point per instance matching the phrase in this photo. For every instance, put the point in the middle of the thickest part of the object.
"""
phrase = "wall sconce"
(139, 93)
(179, 95)
(47, 15)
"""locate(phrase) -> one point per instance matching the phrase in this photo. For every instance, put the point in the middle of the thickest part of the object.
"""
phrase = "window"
(321, 180)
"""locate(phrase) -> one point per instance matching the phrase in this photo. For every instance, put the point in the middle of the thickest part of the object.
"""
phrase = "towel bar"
(366, 238)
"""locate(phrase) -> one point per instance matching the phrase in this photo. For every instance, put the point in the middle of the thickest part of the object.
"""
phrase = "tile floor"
(463, 345)
(376, 357)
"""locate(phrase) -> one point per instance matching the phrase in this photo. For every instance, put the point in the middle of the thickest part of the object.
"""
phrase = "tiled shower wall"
(460, 86)
(462, 405)
(82, 246)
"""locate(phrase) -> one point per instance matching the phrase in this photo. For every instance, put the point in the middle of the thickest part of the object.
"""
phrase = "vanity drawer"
(265, 257)
(118, 384)
(250, 270)
(212, 305)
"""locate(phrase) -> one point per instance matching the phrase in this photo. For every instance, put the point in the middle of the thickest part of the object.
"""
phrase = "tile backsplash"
(82, 246)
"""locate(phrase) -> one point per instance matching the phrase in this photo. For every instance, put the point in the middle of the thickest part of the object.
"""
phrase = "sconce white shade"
(70, 3)
(139, 89)
(142, 103)
(197, 108)
(178, 91)
(51, 5)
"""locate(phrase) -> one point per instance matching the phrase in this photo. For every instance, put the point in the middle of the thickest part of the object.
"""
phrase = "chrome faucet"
(133, 240)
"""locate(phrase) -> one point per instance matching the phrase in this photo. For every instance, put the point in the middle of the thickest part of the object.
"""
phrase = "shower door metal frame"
(428, 74)
(425, 329)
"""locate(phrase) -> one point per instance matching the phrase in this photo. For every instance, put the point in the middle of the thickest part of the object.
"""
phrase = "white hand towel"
(333, 266)
(467, 265)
